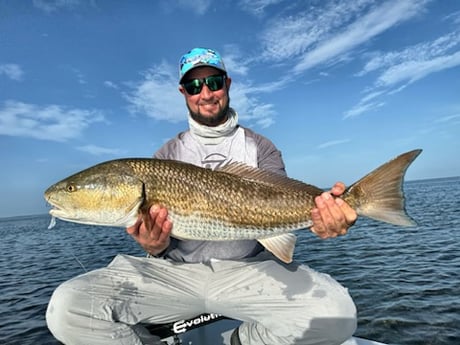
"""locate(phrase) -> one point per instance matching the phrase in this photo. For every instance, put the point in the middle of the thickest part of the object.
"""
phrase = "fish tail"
(379, 195)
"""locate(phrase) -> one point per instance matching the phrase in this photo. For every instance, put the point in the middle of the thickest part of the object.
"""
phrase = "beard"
(211, 121)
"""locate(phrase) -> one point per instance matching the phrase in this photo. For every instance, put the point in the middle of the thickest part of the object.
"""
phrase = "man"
(278, 303)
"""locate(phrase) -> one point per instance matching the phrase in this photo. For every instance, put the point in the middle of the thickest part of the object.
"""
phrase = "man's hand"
(332, 216)
(152, 232)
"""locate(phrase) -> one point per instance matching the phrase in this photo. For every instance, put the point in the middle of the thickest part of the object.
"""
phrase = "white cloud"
(289, 37)
(328, 33)
(99, 150)
(367, 26)
(419, 52)
(257, 7)
(333, 143)
(449, 118)
(110, 85)
(249, 107)
(454, 17)
(398, 69)
(361, 108)
(12, 71)
(157, 96)
(50, 6)
(200, 7)
(411, 71)
(51, 122)
(234, 63)
(81, 78)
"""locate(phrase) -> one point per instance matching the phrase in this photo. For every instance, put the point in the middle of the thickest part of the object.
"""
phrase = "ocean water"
(404, 281)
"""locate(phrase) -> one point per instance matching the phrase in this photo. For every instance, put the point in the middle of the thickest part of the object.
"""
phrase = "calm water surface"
(405, 282)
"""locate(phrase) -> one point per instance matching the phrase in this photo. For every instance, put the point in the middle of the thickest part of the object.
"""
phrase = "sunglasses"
(213, 82)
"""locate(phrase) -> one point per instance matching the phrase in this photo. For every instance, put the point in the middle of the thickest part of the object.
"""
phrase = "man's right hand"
(152, 233)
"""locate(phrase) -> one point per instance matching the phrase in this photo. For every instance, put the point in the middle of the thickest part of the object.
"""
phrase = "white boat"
(211, 329)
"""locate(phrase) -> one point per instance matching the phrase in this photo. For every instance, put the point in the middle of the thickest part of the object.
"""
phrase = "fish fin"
(269, 178)
(282, 246)
(131, 218)
(379, 195)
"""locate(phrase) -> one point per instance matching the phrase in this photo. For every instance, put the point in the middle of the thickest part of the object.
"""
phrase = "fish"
(233, 202)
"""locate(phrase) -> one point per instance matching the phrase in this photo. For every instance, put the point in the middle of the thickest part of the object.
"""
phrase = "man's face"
(207, 107)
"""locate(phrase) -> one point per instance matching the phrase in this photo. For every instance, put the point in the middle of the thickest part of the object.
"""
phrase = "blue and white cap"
(198, 57)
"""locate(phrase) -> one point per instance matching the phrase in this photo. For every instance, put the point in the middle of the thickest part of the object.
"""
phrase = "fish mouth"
(63, 214)
(53, 206)
(56, 210)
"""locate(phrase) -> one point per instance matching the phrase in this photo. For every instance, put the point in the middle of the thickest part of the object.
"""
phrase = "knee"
(341, 323)
(345, 309)
(341, 329)
(58, 313)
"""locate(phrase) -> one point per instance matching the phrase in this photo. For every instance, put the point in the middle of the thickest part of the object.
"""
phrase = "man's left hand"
(332, 216)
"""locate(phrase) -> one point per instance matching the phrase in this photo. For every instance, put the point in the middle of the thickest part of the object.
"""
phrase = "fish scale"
(235, 202)
(225, 197)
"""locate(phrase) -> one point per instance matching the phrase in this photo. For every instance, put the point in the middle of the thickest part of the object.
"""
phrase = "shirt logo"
(214, 161)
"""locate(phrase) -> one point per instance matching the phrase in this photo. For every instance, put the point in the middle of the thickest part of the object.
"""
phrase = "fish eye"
(70, 188)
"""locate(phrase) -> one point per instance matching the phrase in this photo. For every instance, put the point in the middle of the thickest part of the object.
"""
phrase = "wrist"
(157, 251)
(158, 255)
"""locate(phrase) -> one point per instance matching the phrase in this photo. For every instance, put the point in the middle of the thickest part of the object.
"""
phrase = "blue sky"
(339, 86)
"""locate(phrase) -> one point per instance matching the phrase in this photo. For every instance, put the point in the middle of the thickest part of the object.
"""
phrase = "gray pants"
(278, 304)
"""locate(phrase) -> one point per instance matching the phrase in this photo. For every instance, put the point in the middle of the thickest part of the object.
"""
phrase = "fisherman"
(278, 303)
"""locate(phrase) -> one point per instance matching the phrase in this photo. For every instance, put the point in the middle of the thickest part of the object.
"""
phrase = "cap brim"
(201, 65)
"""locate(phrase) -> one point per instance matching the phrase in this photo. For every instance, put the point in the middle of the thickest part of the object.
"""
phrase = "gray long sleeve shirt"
(243, 145)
